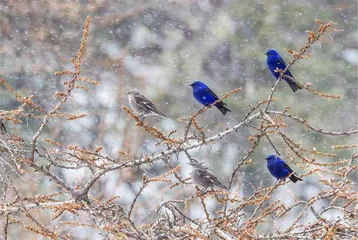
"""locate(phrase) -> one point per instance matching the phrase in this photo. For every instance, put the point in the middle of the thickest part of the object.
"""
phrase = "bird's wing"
(209, 91)
(143, 101)
(286, 166)
(206, 175)
(281, 61)
(209, 177)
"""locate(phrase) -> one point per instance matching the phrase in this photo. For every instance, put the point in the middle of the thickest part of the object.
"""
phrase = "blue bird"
(279, 169)
(206, 96)
(274, 61)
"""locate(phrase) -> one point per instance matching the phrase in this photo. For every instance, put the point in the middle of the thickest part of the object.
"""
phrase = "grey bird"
(142, 106)
(203, 178)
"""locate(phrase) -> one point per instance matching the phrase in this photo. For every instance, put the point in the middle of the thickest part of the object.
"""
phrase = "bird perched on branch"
(279, 169)
(206, 96)
(142, 106)
(274, 61)
(203, 178)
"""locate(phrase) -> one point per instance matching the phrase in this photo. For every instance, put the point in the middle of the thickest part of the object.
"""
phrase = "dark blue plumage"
(206, 96)
(279, 169)
(274, 61)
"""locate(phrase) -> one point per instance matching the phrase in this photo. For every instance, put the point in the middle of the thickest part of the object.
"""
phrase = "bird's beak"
(190, 85)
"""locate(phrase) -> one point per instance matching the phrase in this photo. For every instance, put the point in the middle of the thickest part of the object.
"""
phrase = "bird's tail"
(295, 178)
(222, 108)
(293, 84)
(162, 114)
(2, 126)
(220, 185)
(159, 113)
